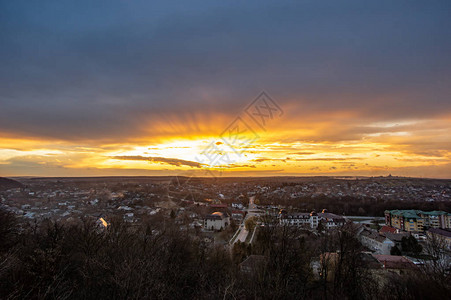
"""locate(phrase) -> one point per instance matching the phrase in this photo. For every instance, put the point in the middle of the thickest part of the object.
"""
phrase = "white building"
(299, 219)
(376, 242)
(311, 220)
(237, 205)
(330, 220)
(128, 217)
(216, 221)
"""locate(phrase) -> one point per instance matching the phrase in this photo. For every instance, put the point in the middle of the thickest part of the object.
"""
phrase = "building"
(387, 229)
(443, 235)
(312, 220)
(330, 220)
(238, 215)
(396, 264)
(326, 266)
(417, 220)
(397, 237)
(216, 221)
(376, 242)
(299, 219)
(237, 205)
(220, 206)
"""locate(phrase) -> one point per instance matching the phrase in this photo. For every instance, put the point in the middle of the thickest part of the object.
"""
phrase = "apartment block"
(417, 220)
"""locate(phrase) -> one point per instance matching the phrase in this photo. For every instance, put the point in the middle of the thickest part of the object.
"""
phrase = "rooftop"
(442, 232)
(394, 262)
(385, 229)
(216, 216)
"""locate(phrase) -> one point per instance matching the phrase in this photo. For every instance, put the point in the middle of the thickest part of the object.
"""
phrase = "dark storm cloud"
(170, 161)
(84, 70)
(310, 159)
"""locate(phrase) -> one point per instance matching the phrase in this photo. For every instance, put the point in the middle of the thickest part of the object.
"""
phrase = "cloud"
(330, 159)
(231, 166)
(310, 159)
(170, 161)
(301, 153)
(263, 159)
(114, 72)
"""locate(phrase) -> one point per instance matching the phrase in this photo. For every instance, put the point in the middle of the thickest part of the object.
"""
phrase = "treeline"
(352, 206)
(52, 261)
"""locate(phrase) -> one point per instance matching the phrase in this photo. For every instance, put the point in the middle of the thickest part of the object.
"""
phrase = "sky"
(100, 88)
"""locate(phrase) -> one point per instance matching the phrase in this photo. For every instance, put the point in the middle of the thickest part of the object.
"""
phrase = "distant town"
(393, 220)
(138, 198)
(217, 209)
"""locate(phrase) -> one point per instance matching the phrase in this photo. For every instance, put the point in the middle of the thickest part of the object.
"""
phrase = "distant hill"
(6, 183)
(395, 180)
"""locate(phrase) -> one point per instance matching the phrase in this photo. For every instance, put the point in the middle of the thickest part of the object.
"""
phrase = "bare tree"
(438, 267)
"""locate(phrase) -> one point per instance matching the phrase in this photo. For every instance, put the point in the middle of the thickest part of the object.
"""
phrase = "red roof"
(395, 262)
(385, 229)
(219, 205)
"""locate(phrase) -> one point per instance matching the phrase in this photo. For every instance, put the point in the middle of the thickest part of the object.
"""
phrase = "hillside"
(6, 183)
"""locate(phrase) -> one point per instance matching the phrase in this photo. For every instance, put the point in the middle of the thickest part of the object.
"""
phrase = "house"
(101, 223)
(396, 264)
(238, 215)
(384, 229)
(237, 205)
(128, 217)
(376, 242)
(222, 206)
(331, 220)
(127, 208)
(397, 237)
(443, 235)
(327, 264)
(216, 221)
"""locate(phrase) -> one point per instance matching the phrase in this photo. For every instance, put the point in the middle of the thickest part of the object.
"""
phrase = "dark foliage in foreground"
(51, 261)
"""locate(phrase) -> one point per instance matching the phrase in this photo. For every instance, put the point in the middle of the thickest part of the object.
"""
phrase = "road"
(252, 211)
(242, 235)
(366, 220)
(252, 205)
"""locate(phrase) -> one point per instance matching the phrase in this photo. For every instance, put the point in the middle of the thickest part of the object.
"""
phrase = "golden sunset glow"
(382, 148)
